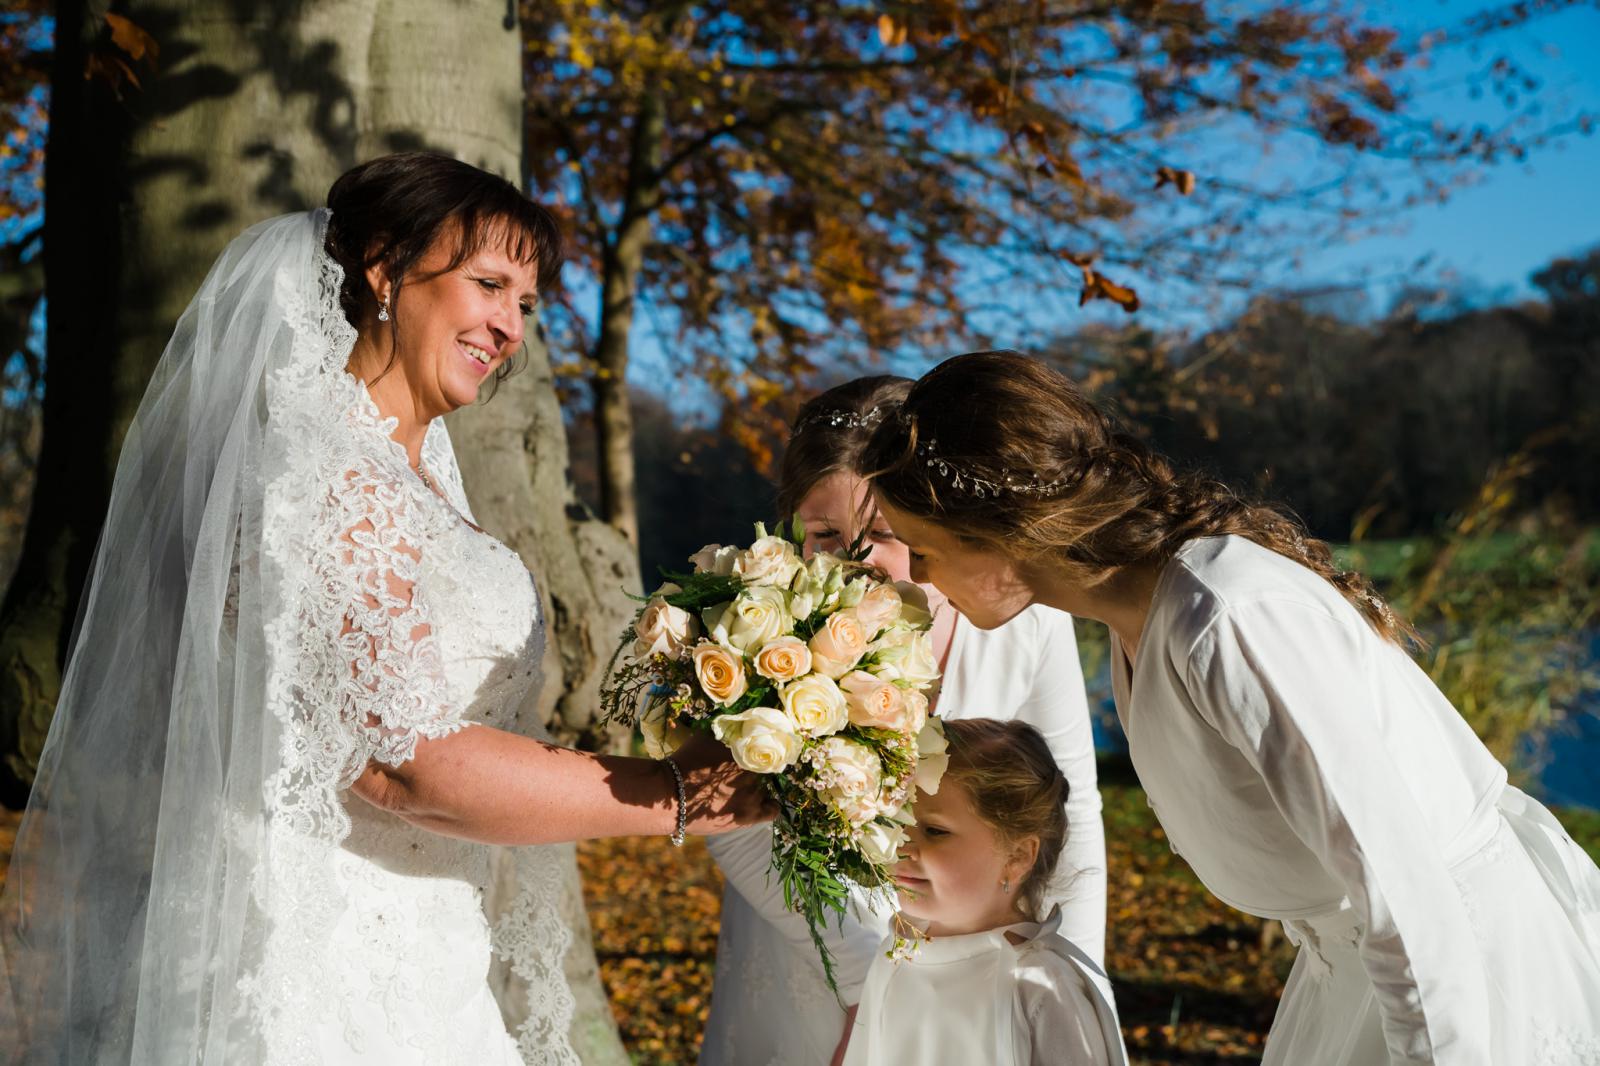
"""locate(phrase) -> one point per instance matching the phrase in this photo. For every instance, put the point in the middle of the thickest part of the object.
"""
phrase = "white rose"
(851, 769)
(769, 561)
(906, 654)
(758, 617)
(881, 843)
(932, 756)
(720, 672)
(858, 810)
(784, 659)
(762, 740)
(664, 629)
(661, 738)
(816, 705)
(874, 702)
(714, 559)
(878, 608)
(838, 645)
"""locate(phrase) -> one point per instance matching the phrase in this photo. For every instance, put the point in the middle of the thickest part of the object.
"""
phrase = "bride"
(298, 704)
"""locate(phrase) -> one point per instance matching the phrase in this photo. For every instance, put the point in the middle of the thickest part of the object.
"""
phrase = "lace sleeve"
(394, 692)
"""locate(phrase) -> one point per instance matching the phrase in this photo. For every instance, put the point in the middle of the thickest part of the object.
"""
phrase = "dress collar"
(941, 949)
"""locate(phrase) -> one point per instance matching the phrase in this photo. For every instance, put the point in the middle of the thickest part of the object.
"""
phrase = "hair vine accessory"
(843, 419)
(963, 479)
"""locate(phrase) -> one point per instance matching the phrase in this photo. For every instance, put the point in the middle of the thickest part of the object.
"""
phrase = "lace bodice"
(379, 944)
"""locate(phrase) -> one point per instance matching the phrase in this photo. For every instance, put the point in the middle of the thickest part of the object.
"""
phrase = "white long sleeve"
(1284, 681)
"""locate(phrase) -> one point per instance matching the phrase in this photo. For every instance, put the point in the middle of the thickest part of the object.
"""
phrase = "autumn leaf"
(128, 36)
(1097, 286)
(1182, 180)
(890, 33)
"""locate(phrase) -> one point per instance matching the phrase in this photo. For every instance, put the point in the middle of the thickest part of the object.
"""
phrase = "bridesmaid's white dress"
(770, 1005)
(1022, 995)
(1309, 771)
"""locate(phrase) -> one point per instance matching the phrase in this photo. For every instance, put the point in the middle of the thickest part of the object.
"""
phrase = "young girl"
(770, 1003)
(976, 971)
(1295, 755)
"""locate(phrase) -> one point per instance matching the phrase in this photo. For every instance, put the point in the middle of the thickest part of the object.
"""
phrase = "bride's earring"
(383, 312)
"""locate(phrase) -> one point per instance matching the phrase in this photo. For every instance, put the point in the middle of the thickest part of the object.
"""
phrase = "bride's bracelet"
(683, 805)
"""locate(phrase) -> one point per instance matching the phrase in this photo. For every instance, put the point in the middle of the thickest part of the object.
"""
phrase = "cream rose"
(873, 702)
(661, 737)
(769, 561)
(850, 768)
(720, 671)
(905, 654)
(816, 705)
(714, 559)
(663, 629)
(762, 740)
(784, 659)
(932, 756)
(838, 645)
(756, 618)
(878, 608)
(881, 843)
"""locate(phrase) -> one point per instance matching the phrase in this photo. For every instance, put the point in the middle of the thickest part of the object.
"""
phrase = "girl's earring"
(1005, 886)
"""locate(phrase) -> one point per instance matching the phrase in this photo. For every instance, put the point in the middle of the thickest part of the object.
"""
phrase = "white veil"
(182, 743)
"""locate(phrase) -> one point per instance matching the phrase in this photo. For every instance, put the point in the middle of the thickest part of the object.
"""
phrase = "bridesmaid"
(770, 1003)
(1295, 755)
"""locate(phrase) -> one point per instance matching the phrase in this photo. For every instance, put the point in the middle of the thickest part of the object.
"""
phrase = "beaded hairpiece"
(843, 419)
(963, 479)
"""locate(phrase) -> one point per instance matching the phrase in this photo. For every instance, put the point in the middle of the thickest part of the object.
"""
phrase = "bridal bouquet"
(812, 672)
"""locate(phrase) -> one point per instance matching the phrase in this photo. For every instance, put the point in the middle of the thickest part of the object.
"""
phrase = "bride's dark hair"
(1111, 501)
(393, 209)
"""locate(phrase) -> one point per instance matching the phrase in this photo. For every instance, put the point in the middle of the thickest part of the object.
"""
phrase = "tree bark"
(257, 108)
(624, 256)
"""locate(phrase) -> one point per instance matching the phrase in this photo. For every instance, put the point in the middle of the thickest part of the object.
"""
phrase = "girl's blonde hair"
(1046, 475)
(1015, 786)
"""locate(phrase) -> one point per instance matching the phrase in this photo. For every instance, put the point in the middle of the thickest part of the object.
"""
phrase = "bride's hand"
(720, 795)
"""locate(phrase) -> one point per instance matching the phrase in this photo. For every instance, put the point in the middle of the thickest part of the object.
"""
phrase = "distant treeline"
(1379, 426)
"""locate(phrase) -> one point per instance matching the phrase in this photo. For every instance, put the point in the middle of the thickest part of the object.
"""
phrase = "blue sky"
(1483, 242)
(1518, 216)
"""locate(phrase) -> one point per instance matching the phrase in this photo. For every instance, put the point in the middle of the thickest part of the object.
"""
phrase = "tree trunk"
(256, 110)
(624, 256)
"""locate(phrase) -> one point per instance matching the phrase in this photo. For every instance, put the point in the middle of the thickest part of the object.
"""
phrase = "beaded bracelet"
(683, 805)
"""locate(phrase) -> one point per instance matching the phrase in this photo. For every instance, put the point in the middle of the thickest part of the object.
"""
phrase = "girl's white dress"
(770, 1005)
(1037, 1002)
(1309, 771)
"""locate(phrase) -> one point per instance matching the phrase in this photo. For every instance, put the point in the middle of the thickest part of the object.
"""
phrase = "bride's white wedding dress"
(277, 602)
(398, 971)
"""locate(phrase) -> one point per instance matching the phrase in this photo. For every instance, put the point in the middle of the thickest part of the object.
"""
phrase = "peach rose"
(874, 703)
(720, 671)
(784, 659)
(664, 629)
(878, 608)
(838, 645)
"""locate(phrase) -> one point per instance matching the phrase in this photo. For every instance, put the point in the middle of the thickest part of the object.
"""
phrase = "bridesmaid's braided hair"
(999, 448)
(1015, 786)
